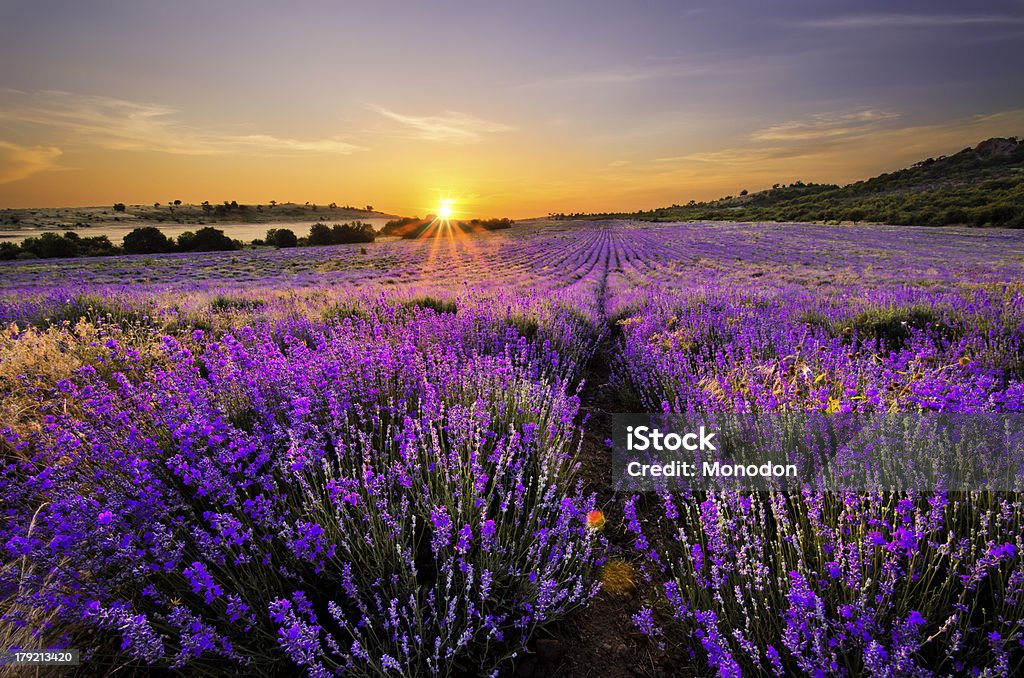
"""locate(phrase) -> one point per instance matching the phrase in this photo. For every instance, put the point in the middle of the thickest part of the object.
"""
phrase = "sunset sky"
(513, 108)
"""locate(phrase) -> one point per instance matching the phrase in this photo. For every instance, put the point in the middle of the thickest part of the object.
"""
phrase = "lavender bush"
(838, 584)
(824, 583)
(389, 495)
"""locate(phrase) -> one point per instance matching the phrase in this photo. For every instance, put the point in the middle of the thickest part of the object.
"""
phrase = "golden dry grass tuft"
(618, 577)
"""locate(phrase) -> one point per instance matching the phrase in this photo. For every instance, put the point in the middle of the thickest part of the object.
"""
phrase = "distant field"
(391, 458)
(576, 255)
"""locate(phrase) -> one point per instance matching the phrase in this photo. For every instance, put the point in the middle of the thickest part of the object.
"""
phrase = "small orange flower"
(595, 520)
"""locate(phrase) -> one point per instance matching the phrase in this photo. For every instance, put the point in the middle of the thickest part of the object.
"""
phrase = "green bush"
(147, 240)
(281, 237)
(433, 303)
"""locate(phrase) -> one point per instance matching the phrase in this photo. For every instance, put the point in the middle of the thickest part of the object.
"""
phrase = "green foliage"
(433, 303)
(50, 246)
(340, 234)
(207, 239)
(147, 240)
(223, 303)
(887, 327)
(398, 226)
(526, 327)
(319, 235)
(891, 327)
(401, 227)
(95, 308)
(343, 310)
(144, 240)
(414, 227)
(489, 224)
(980, 186)
(95, 246)
(281, 237)
(151, 240)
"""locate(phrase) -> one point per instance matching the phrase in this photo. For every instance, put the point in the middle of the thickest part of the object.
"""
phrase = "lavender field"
(380, 460)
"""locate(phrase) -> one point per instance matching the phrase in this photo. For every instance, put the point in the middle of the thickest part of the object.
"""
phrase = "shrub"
(340, 234)
(354, 232)
(345, 309)
(69, 307)
(9, 251)
(147, 240)
(226, 303)
(97, 246)
(281, 237)
(50, 246)
(403, 226)
(207, 239)
(834, 581)
(434, 304)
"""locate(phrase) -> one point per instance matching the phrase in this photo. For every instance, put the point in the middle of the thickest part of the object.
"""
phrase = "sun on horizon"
(446, 209)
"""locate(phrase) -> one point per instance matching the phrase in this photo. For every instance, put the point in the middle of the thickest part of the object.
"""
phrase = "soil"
(601, 641)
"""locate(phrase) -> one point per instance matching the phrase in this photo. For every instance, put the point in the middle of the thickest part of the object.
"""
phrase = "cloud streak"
(451, 127)
(788, 154)
(667, 68)
(118, 124)
(21, 162)
(797, 138)
(630, 74)
(860, 21)
(826, 125)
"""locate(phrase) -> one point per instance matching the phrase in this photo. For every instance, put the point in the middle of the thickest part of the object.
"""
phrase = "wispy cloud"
(858, 155)
(826, 125)
(745, 156)
(20, 162)
(791, 139)
(119, 124)
(451, 127)
(716, 172)
(654, 69)
(856, 21)
(271, 143)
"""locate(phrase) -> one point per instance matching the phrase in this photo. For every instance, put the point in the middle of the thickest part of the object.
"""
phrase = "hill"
(979, 186)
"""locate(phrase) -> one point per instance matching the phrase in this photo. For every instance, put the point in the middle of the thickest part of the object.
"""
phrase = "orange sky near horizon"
(494, 179)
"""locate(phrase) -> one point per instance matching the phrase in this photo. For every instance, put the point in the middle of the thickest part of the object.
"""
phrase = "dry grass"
(618, 578)
(32, 362)
(31, 359)
(37, 630)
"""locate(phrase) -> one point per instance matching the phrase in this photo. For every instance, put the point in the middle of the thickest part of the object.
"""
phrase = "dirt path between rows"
(601, 640)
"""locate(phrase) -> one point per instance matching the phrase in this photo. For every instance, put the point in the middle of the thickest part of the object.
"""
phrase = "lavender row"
(831, 321)
(388, 491)
(361, 460)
